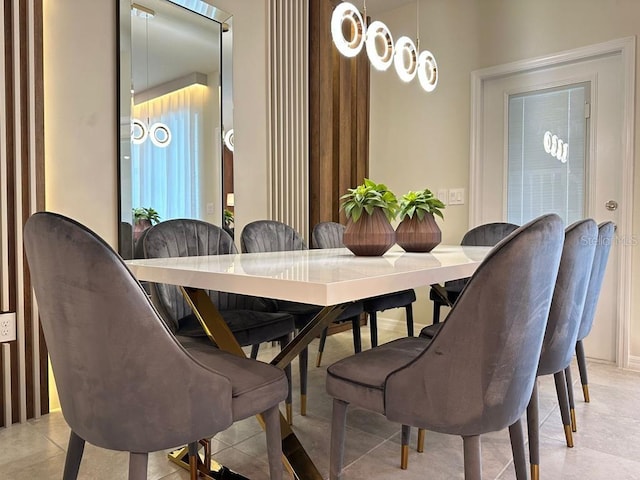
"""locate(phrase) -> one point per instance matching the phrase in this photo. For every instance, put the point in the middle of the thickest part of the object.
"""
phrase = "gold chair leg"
(568, 436)
(574, 425)
(535, 472)
(421, 434)
(193, 467)
(319, 360)
(404, 457)
(585, 392)
(303, 404)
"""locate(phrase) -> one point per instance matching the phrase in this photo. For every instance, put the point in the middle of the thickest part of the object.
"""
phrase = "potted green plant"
(369, 209)
(418, 230)
(143, 218)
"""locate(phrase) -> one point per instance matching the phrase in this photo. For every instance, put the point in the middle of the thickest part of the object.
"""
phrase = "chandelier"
(403, 54)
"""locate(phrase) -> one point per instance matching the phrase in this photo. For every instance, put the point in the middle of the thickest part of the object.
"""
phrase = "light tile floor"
(606, 441)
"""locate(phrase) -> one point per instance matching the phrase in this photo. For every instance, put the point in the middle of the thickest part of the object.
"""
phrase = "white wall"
(421, 140)
(431, 133)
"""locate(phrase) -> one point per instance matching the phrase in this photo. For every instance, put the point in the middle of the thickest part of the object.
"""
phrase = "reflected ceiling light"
(229, 140)
(347, 12)
(405, 50)
(160, 134)
(427, 71)
(379, 34)
(138, 132)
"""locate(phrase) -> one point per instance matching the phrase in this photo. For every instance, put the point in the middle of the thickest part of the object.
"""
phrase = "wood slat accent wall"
(338, 118)
(23, 362)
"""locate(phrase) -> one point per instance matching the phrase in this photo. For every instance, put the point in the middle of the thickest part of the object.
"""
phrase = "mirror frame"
(124, 99)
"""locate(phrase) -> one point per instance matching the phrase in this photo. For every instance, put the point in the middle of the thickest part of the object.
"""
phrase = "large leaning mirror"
(176, 115)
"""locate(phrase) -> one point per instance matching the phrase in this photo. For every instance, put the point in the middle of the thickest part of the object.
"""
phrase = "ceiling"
(173, 43)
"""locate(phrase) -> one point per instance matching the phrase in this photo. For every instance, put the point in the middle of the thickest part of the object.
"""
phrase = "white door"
(590, 192)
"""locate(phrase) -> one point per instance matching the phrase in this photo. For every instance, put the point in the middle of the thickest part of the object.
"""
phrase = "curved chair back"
(327, 235)
(605, 237)
(568, 297)
(189, 238)
(488, 234)
(478, 372)
(124, 381)
(270, 236)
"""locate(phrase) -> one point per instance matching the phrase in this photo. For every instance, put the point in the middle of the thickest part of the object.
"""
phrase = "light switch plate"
(456, 196)
(443, 195)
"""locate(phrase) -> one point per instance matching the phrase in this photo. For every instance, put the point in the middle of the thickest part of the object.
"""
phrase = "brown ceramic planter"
(372, 235)
(415, 235)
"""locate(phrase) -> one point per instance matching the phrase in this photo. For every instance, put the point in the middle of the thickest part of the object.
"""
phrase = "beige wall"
(80, 110)
(432, 131)
(421, 140)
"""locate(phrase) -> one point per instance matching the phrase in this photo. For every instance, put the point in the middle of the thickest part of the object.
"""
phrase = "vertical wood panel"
(24, 364)
(338, 118)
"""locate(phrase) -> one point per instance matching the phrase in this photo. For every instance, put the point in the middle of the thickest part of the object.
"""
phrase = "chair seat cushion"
(389, 300)
(250, 327)
(360, 379)
(255, 386)
(430, 330)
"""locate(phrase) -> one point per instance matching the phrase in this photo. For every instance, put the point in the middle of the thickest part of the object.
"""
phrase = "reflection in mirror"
(175, 112)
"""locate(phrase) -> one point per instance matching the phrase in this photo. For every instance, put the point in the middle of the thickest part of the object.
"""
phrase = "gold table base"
(294, 456)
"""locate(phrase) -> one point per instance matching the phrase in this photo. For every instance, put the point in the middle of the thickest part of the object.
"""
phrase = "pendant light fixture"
(159, 132)
(381, 50)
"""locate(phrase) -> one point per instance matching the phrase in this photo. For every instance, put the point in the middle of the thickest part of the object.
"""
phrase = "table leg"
(295, 458)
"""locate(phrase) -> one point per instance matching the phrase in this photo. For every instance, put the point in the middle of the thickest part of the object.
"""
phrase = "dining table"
(330, 278)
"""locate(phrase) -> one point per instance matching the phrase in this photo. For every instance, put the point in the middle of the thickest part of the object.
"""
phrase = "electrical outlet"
(7, 327)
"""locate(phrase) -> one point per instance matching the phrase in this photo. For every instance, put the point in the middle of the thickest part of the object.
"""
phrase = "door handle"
(611, 205)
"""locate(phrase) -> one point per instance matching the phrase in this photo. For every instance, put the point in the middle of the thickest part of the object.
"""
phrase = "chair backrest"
(188, 237)
(270, 236)
(477, 373)
(327, 235)
(124, 381)
(568, 297)
(488, 234)
(605, 238)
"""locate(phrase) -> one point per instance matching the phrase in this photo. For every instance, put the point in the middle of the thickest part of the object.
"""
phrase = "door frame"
(626, 48)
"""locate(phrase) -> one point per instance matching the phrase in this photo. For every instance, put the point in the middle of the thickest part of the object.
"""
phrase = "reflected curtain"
(167, 179)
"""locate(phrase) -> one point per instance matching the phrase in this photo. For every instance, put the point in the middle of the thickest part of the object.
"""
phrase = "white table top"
(319, 277)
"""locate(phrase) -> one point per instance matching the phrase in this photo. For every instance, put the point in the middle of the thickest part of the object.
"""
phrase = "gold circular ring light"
(427, 71)
(405, 50)
(347, 12)
(380, 61)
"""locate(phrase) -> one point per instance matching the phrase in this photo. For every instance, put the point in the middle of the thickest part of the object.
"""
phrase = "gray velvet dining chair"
(477, 374)
(329, 235)
(125, 383)
(606, 231)
(486, 235)
(274, 236)
(252, 320)
(561, 333)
